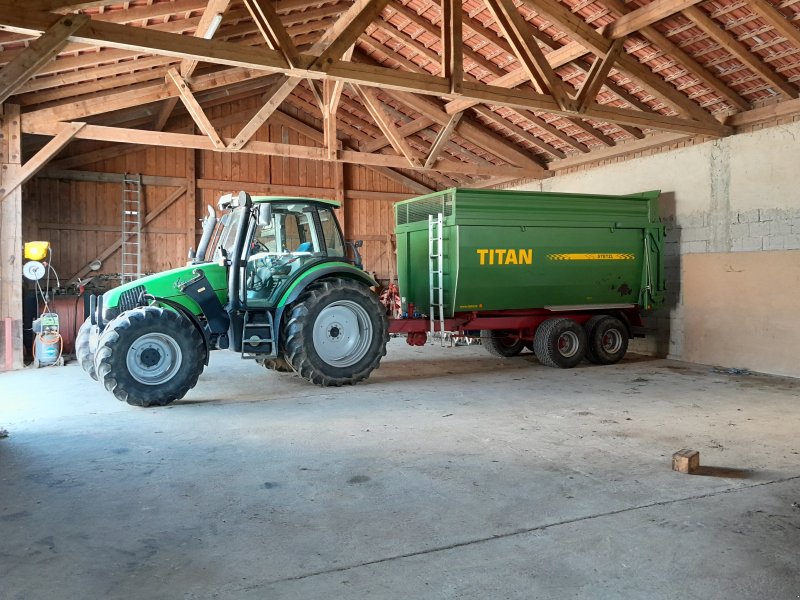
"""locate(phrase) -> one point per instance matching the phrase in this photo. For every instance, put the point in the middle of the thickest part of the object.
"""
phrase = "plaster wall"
(723, 198)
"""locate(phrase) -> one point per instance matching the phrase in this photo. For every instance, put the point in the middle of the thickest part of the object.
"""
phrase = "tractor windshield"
(287, 237)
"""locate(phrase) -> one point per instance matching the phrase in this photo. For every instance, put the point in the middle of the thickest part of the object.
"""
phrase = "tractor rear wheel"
(86, 345)
(559, 342)
(149, 356)
(607, 340)
(335, 333)
(501, 343)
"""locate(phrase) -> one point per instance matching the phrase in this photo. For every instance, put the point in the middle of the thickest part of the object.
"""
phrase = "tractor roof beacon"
(272, 279)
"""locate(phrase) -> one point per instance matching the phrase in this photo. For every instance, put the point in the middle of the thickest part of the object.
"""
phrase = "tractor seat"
(305, 247)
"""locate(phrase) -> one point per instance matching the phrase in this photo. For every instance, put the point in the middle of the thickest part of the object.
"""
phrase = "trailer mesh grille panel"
(418, 210)
(129, 299)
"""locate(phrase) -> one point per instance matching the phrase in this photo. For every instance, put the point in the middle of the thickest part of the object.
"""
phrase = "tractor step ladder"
(131, 268)
(436, 273)
(258, 337)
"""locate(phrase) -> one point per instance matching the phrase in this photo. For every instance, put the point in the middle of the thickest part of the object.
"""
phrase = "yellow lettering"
(511, 257)
(526, 256)
(482, 254)
(491, 256)
(505, 256)
(500, 255)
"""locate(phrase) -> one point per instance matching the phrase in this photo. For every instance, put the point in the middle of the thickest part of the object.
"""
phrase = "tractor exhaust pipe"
(234, 277)
(209, 223)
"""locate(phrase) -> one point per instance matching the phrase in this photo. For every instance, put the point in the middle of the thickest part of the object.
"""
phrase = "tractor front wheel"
(335, 333)
(86, 346)
(149, 356)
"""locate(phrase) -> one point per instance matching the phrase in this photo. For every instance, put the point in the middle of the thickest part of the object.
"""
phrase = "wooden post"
(11, 241)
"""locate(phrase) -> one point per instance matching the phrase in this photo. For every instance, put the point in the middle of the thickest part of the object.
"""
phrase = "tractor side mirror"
(358, 243)
(266, 214)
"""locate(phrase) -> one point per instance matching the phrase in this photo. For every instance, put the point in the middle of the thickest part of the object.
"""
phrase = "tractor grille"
(131, 298)
(419, 210)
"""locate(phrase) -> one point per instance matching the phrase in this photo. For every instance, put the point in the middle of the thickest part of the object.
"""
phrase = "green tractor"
(271, 280)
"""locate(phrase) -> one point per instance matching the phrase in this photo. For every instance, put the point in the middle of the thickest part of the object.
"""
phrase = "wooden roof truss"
(455, 92)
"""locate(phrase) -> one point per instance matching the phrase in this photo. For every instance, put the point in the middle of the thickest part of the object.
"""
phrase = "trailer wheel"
(278, 364)
(607, 340)
(149, 356)
(86, 345)
(501, 343)
(559, 342)
(335, 333)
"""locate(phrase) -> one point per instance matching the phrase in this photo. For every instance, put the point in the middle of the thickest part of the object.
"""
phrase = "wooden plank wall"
(81, 218)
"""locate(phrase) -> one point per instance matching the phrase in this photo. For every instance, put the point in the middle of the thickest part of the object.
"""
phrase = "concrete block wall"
(734, 195)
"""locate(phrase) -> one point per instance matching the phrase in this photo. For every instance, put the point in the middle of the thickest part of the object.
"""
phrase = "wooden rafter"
(597, 75)
(384, 121)
(452, 44)
(670, 48)
(339, 38)
(272, 30)
(776, 19)
(194, 108)
(645, 16)
(530, 56)
(441, 140)
(214, 10)
(518, 131)
(712, 29)
(40, 51)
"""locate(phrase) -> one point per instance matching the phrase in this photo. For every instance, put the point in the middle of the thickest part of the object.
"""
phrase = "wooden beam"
(530, 56)
(597, 75)
(452, 44)
(773, 17)
(645, 16)
(406, 130)
(441, 139)
(32, 166)
(201, 142)
(112, 248)
(742, 53)
(40, 51)
(194, 108)
(519, 131)
(188, 66)
(275, 97)
(336, 40)
(628, 148)
(273, 31)
(386, 125)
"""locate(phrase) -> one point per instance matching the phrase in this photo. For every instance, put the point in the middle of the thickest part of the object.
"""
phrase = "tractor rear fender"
(334, 271)
(189, 315)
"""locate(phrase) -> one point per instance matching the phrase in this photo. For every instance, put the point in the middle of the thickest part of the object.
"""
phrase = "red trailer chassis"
(519, 324)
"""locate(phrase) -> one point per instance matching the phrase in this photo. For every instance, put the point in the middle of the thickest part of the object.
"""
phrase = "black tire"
(315, 357)
(278, 364)
(86, 346)
(607, 340)
(499, 343)
(166, 332)
(559, 342)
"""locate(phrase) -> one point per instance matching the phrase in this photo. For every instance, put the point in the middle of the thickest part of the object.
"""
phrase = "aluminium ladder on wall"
(131, 227)
(436, 273)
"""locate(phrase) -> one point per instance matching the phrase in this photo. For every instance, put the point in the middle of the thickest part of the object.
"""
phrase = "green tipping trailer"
(506, 250)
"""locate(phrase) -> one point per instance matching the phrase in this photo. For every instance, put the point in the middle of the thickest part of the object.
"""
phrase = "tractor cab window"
(281, 246)
(227, 237)
(331, 233)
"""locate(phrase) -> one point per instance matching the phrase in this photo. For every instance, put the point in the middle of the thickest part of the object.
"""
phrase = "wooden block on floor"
(686, 461)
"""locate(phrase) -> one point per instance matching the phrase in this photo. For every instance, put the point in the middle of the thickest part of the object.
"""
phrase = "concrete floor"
(449, 474)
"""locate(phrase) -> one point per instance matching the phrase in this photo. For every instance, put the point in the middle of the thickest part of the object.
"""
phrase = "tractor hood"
(167, 285)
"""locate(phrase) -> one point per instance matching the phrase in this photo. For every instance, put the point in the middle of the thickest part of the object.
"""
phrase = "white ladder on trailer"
(436, 274)
(131, 228)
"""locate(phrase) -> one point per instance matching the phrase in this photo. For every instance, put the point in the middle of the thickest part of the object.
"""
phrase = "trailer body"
(511, 251)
